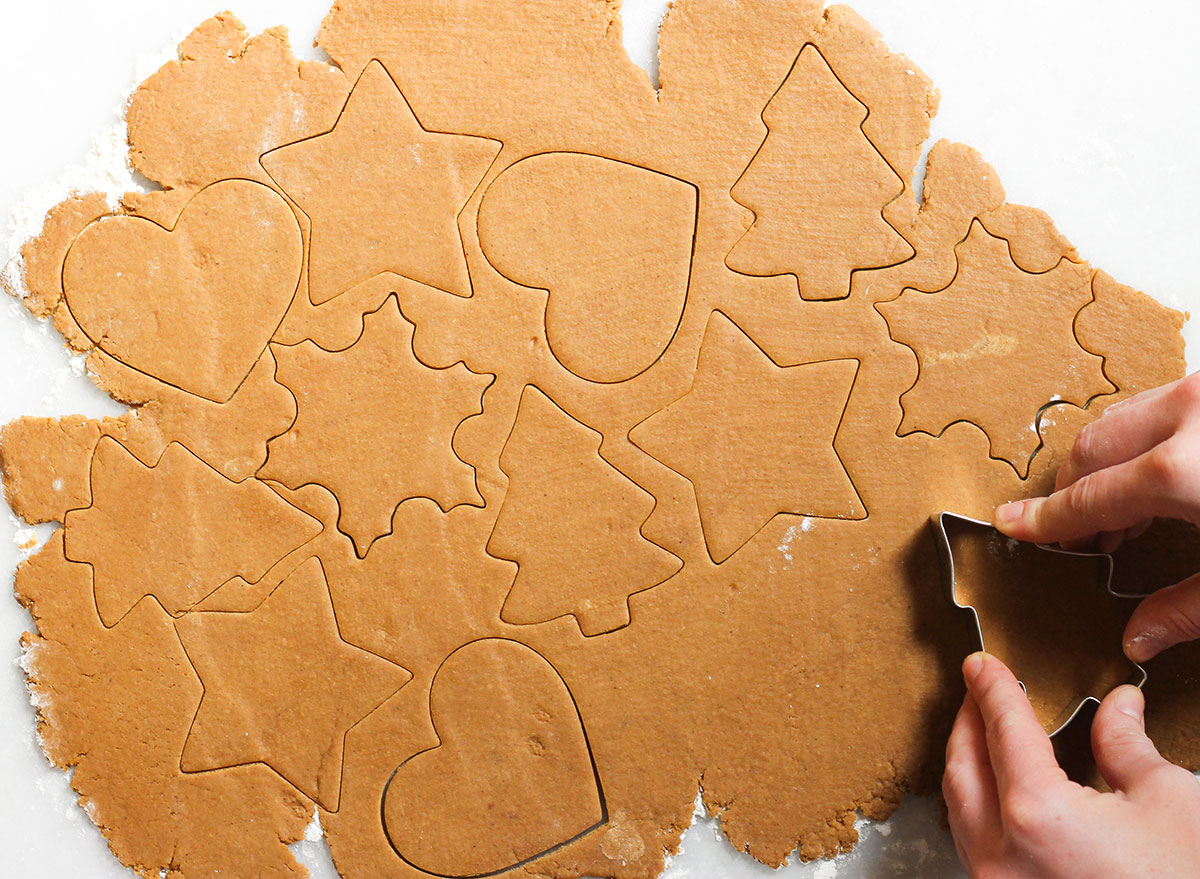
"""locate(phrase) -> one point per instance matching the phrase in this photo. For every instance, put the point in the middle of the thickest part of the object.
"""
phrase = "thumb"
(1124, 754)
(1165, 618)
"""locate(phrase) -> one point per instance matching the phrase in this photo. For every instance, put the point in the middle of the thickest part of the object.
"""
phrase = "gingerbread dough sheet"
(516, 450)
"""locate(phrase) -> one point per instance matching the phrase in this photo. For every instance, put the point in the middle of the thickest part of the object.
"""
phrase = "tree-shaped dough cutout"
(817, 187)
(571, 522)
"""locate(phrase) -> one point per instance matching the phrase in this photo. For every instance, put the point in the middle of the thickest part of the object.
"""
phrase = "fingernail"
(1145, 645)
(1009, 514)
(1131, 701)
(973, 665)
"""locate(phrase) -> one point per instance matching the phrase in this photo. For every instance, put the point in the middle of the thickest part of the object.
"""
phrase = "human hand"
(1015, 815)
(1138, 461)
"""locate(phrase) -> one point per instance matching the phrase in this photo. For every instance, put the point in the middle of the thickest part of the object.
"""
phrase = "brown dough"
(398, 212)
(526, 754)
(549, 410)
(817, 186)
(282, 664)
(344, 395)
(616, 291)
(117, 705)
(245, 526)
(745, 468)
(231, 235)
(590, 555)
(968, 339)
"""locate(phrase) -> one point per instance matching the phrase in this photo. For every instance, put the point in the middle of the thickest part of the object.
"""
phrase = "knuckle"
(1081, 498)
(1182, 619)
(1083, 449)
(1025, 816)
(1009, 732)
(1167, 466)
(1117, 737)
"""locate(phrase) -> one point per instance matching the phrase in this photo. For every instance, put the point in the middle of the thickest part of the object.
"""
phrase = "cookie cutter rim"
(947, 555)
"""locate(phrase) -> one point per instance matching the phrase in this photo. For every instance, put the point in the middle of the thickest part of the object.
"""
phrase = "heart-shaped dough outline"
(441, 742)
(203, 389)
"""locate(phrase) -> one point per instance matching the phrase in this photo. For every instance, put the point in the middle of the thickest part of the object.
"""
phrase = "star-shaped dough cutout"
(375, 425)
(396, 212)
(282, 687)
(745, 468)
(996, 347)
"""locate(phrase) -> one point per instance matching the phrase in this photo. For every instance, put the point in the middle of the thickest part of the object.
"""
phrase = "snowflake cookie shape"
(996, 347)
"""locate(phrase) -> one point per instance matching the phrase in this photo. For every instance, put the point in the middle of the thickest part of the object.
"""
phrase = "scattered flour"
(105, 169)
(313, 851)
(785, 546)
(825, 870)
(25, 539)
(28, 539)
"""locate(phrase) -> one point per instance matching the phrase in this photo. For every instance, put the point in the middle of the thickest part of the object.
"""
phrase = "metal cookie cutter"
(1137, 678)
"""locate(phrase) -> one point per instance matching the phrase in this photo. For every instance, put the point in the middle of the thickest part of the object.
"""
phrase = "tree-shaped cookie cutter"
(1138, 676)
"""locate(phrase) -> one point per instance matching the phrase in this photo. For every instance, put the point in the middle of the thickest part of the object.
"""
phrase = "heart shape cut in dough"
(513, 777)
(195, 305)
(610, 242)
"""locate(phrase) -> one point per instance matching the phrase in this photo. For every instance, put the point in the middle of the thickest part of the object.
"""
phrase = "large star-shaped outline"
(746, 469)
(282, 687)
(383, 192)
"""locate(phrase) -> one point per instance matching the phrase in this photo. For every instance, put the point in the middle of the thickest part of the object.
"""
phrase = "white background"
(1085, 107)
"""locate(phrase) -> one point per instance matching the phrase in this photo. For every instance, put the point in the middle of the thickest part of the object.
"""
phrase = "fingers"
(1022, 757)
(1119, 497)
(1151, 394)
(1124, 755)
(1120, 434)
(969, 785)
(1138, 530)
(1164, 619)
(1110, 541)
